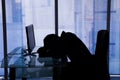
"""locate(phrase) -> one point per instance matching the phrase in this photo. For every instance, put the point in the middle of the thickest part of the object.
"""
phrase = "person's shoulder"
(67, 33)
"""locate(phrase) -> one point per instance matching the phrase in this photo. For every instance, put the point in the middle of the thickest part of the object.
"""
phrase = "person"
(82, 63)
(74, 46)
(50, 46)
(79, 55)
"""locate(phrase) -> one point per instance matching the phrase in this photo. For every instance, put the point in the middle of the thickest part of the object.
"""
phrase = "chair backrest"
(102, 55)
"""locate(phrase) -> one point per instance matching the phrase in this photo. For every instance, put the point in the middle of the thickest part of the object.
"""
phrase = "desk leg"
(24, 78)
(12, 74)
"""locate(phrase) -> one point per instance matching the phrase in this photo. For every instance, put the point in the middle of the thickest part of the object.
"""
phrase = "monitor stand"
(27, 53)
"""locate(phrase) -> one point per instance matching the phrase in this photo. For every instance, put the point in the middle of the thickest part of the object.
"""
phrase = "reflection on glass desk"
(28, 66)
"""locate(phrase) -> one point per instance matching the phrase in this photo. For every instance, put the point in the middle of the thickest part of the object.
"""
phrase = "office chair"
(98, 65)
(102, 55)
(98, 68)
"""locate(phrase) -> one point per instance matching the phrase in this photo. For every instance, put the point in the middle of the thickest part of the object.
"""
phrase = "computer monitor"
(30, 38)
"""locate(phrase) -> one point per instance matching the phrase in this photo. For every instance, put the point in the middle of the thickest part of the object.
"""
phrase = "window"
(1, 42)
(115, 37)
(85, 20)
(42, 17)
(76, 16)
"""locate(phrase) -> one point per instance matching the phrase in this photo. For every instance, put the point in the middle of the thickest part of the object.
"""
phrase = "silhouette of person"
(71, 44)
(50, 48)
(82, 63)
(79, 55)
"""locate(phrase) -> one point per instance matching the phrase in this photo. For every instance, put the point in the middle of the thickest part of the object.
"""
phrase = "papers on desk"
(34, 61)
(13, 59)
(16, 61)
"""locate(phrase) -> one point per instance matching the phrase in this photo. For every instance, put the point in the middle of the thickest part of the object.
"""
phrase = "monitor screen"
(30, 37)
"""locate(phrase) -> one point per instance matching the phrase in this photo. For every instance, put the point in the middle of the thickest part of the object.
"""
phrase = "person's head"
(51, 41)
(52, 44)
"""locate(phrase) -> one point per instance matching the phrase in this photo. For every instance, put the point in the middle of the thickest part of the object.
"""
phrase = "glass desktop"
(21, 66)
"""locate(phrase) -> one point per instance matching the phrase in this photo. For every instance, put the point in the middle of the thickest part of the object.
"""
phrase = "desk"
(27, 66)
